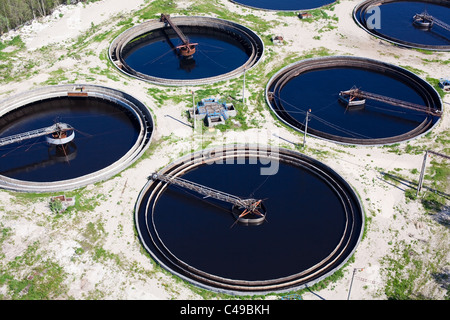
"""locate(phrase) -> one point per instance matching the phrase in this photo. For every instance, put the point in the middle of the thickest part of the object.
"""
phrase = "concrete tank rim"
(398, 42)
(197, 283)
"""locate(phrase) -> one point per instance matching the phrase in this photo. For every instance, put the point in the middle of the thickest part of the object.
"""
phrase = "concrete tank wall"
(117, 47)
(122, 99)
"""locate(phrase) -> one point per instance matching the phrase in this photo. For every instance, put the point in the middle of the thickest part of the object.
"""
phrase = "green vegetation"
(440, 61)
(85, 200)
(404, 270)
(413, 70)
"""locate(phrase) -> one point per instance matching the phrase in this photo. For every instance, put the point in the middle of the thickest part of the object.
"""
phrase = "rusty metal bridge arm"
(248, 204)
(404, 104)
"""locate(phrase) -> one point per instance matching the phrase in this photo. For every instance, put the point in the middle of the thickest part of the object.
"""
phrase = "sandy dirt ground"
(125, 271)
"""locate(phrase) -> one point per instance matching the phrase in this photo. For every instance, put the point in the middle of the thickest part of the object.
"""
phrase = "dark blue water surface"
(215, 55)
(285, 4)
(318, 90)
(396, 22)
(103, 134)
(305, 222)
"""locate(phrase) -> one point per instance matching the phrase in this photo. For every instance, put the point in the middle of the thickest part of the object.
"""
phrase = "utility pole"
(422, 173)
(306, 127)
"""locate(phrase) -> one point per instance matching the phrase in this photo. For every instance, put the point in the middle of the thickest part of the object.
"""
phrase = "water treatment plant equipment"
(67, 136)
(196, 218)
(421, 24)
(186, 50)
(392, 105)
(213, 111)
(284, 5)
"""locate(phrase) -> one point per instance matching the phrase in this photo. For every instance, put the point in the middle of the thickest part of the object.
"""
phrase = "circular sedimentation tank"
(312, 220)
(401, 105)
(401, 22)
(150, 51)
(101, 132)
(284, 5)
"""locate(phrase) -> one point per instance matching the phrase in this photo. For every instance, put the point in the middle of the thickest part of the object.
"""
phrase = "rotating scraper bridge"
(158, 183)
(138, 35)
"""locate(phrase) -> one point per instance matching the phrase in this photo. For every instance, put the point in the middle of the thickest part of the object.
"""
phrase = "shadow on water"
(97, 122)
